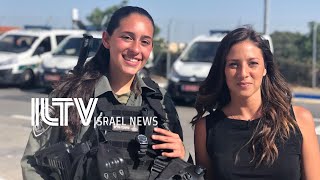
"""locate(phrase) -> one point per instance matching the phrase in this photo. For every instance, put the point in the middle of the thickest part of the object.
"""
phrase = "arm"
(310, 145)
(30, 170)
(202, 156)
(172, 139)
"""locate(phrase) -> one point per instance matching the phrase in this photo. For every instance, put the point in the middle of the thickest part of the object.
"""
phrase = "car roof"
(217, 37)
(37, 32)
(94, 34)
(210, 38)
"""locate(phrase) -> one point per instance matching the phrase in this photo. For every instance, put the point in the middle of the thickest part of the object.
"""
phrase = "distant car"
(145, 71)
(65, 57)
(22, 51)
(193, 65)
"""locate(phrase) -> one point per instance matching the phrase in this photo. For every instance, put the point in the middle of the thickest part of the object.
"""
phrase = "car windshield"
(16, 43)
(71, 47)
(201, 52)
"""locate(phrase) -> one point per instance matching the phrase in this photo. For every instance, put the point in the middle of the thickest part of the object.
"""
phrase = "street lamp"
(314, 55)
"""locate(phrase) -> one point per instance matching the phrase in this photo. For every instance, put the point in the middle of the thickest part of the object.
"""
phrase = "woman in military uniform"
(111, 76)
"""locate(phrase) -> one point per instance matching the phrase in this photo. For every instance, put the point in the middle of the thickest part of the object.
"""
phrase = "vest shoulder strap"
(154, 98)
(211, 121)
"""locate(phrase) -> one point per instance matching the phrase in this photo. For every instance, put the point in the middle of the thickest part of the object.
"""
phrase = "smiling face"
(130, 44)
(244, 70)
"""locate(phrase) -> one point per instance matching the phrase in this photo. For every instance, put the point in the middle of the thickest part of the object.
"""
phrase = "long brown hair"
(75, 85)
(276, 121)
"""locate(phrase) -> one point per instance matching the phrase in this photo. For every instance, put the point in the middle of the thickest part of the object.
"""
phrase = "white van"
(194, 63)
(65, 57)
(22, 51)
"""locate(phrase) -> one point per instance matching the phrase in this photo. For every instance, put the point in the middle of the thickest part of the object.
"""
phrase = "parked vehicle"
(193, 65)
(146, 70)
(22, 51)
(65, 57)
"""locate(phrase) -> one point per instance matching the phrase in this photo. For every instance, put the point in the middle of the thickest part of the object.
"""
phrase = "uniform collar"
(143, 85)
(103, 85)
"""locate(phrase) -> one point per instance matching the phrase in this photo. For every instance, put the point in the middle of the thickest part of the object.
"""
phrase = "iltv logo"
(40, 109)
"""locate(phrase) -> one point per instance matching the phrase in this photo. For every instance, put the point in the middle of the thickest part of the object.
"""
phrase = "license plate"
(51, 77)
(190, 88)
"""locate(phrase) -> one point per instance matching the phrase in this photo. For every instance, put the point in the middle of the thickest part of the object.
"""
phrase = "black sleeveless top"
(226, 136)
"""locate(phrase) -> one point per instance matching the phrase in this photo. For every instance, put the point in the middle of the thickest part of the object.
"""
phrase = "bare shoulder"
(200, 125)
(200, 132)
(304, 118)
(201, 154)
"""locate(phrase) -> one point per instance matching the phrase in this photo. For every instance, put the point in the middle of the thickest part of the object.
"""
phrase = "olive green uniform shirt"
(52, 135)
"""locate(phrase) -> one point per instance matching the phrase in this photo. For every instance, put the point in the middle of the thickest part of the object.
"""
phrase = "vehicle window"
(16, 43)
(71, 47)
(95, 46)
(45, 44)
(201, 52)
(59, 38)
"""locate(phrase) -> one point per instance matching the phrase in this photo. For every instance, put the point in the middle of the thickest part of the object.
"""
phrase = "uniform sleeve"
(45, 137)
(174, 122)
(172, 115)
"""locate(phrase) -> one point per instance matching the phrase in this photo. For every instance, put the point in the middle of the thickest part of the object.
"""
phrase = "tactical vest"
(122, 125)
(119, 126)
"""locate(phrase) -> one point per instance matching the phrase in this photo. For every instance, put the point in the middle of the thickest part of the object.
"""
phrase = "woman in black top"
(254, 133)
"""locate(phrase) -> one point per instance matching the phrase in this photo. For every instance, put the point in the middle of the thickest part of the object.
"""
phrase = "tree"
(286, 45)
(100, 18)
(97, 16)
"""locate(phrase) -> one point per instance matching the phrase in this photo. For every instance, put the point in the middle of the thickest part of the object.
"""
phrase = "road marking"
(305, 100)
(17, 116)
(318, 130)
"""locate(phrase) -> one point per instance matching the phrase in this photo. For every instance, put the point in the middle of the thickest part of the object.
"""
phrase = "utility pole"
(266, 14)
(168, 50)
(314, 55)
(75, 18)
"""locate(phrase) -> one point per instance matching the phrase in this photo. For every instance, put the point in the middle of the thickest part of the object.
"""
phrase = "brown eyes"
(126, 38)
(143, 42)
(234, 65)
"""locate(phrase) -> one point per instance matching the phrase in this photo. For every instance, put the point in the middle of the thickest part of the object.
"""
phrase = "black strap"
(159, 164)
(84, 52)
(154, 98)
(211, 121)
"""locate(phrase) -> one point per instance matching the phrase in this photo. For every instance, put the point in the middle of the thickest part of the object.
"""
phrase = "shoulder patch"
(40, 129)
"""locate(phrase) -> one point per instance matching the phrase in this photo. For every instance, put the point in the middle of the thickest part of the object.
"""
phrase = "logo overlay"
(46, 111)
(43, 115)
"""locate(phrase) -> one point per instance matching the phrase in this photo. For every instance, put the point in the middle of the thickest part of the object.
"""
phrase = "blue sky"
(188, 18)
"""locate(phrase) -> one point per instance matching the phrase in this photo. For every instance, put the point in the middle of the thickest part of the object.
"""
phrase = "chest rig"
(120, 125)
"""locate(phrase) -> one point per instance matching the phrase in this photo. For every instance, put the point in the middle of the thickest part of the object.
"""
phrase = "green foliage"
(288, 45)
(293, 52)
(97, 15)
(100, 17)
(296, 72)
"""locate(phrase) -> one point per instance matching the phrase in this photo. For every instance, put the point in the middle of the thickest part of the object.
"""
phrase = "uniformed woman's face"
(130, 44)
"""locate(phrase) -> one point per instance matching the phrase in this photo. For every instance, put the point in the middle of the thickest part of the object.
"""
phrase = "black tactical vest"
(120, 124)
(115, 126)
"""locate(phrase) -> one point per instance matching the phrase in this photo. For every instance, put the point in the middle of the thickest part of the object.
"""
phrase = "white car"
(194, 63)
(65, 57)
(22, 51)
